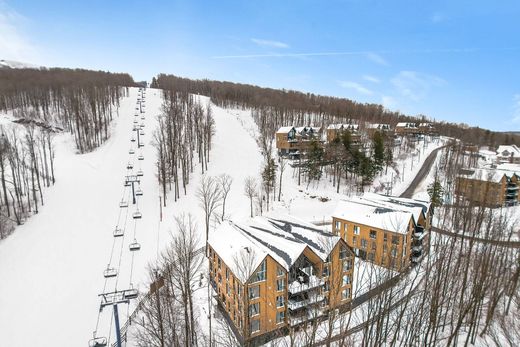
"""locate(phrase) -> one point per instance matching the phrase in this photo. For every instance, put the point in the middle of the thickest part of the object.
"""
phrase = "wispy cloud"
(376, 58)
(415, 85)
(270, 43)
(388, 102)
(516, 108)
(355, 86)
(13, 44)
(371, 79)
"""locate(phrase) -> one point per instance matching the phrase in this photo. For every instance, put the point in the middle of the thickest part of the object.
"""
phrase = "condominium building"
(389, 231)
(294, 141)
(272, 273)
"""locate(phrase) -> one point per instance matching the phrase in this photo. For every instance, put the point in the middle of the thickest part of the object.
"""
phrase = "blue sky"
(450, 60)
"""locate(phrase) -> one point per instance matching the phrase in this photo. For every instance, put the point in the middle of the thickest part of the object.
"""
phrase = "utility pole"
(118, 329)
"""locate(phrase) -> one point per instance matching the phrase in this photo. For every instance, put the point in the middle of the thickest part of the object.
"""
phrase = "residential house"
(292, 141)
(406, 128)
(508, 154)
(336, 130)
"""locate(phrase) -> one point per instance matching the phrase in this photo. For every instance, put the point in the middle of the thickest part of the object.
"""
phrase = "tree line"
(285, 107)
(79, 101)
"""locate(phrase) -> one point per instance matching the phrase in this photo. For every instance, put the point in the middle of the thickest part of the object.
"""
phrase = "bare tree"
(224, 182)
(210, 198)
(250, 190)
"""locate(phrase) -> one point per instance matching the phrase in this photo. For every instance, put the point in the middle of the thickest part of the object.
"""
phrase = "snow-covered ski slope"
(51, 268)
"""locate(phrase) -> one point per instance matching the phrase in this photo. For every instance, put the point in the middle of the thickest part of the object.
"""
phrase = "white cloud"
(415, 85)
(355, 86)
(388, 102)
(376, 58)
(371, 79)
(270, 43)
(516, 108)
(13, 44)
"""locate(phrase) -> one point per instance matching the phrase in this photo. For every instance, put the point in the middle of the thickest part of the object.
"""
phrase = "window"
(343, 252)
(385, 237)
(254, 309)
(219, 278)
(394, 252)
(345, 227)
(354, 240)
(280, 300)
(373, 245)
(279, 271)
(254, 292)
(219, 264)
(373, 234)
(326, 286)
(345, 294)
(346, 265)
(363, 243)
(280, 284)
(356, 230)
(280, 317)
(326, 271)
(255, 325)
(338, 225)
(227, 274)
(371, 256)
(395, 240)
(228, 290)
(346, 280)
(260, 274)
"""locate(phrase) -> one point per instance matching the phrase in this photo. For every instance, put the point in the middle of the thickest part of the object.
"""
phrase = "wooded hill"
(294, 107)
(79, 101)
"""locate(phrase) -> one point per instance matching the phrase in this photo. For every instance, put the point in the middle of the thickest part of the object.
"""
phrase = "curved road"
(423, 172)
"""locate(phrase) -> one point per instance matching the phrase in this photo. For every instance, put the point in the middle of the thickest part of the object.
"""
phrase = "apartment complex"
(508, 154)
(388, 231)
(406, 128)
(490, 186)
(336, 130)
(381, 127)
(271, 273)
(294, 141)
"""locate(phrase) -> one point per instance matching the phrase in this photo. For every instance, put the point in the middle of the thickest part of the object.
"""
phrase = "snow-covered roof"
(378, 126)
(340, 126)
(284, 130)
(383, 212)
(426, 125)
(405, 125)
(282, 237)
(509, 168)
(484, 174)
(507, 150)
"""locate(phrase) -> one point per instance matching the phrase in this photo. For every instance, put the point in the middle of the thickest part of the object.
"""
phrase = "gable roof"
(284, 130)
(282, 237)
(484, 174)
(507, 150)
(406, 125)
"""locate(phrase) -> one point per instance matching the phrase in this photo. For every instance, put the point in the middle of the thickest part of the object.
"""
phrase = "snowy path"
(51, 267)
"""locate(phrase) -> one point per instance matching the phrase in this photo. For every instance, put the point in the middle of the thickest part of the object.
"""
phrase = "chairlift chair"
(141, 133)
(134, 246)
(137, 215)
(130, 166)
(131, 151)
(140, 157)
(140, 173)
(123, 204)
(139, 192)
(118, 232)
(132, 139)
(135, 121)
(110, 272)
(130, 294)
(142, 125)
(98, 342)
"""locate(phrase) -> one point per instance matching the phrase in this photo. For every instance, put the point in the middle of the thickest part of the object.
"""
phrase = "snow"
(11, 64)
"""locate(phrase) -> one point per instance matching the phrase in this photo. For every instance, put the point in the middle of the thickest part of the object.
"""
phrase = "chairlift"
(132, 139)
(137, 215)
(131, 151)
(137, 108)
(130, 294)
(123, 204)
(141, 133)
(140, 173)
(135, 121)
(134, 246)
(130, 166)
(110, 272)
(98, 342)
(140, 157)
(127, 183)
(118, 232)
(142, 117)
(142, 125)
(139, 192)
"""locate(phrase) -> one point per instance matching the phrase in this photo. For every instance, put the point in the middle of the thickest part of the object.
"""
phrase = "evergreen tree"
(436, 193)
(269, 176)
(379, 150)
(314, 161)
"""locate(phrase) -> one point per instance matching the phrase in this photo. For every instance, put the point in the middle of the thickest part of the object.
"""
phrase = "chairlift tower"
(132, 180)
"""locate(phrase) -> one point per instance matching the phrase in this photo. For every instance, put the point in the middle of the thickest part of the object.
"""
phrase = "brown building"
(272, 273)
(406, 128)
(388, 231)
(384, 128)
(426, 128)
(336, 130)
(489, 187)
(293, 141)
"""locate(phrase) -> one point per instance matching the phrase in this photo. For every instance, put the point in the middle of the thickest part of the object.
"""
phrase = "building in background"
(293, 142)
(336, 130)
(508, 154)
(388, 231)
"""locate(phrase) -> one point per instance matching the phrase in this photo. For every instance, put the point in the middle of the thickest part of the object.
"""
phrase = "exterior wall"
(286, 145)
(482, 192)
(335, 278)
(382, 247)
(334, 133)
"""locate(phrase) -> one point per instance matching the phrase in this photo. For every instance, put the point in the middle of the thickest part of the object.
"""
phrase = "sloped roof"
(284, 130)
(378, 126)
(509, 149)
(484, 174)
(406, 125)
(282, 237)
(415, 206)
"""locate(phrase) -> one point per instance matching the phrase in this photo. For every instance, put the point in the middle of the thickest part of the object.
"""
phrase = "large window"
(373, 234)
(346, 280)
(254, 309)
(280, 300)
(254, 292)
(363, 243)
(356, 230)
(346, 265)
(260, 274)
(280, 317)
(395, 239)
(345, 294)
(279, 271)
(280, 284)
(255, 325)
(338, 225)
(343, 252)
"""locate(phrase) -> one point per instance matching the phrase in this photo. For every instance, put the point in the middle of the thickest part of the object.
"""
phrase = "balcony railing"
(300, 285)
(294, 305)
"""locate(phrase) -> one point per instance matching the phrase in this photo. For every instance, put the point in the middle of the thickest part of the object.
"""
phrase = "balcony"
(416, 258)
(313, 299)
(305, 284)
(305, 315)
(419, 232)
(417, 248)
